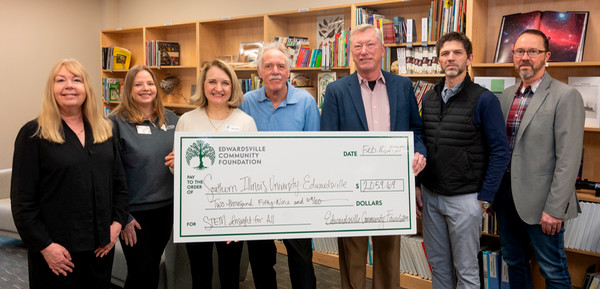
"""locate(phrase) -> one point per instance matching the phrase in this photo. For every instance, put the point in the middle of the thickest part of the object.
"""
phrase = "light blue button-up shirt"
(298, 112)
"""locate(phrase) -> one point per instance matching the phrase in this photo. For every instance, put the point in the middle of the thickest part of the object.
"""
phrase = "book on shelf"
(326, 245)
(583, 233)
(411, 31)
(594, 284)
(485, 256)
(443, 16)
(504, 284)
(413, 259)
(324, 79)
(293, 44)
(417, 60)
(168, 53)
(163, 53)
(399, 29)
(589, 87)
(494, 269)
(107, 110)
(590, 273)
(115, 58)
(495, 84)
(300, 79)
(252, 83)
(114, 92)
(111, 89)
(421, 87)
(565, 31)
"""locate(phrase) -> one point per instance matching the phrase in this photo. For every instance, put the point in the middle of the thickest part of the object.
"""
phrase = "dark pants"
(263, 256)
(143, 259)
(302, 273)
(89, 272)
(201, 264)
(516, 240)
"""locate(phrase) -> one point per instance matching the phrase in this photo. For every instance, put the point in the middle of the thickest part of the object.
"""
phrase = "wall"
(36, 34)
(176, 11)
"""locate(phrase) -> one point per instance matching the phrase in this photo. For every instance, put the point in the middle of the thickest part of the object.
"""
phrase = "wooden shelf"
(588, 196)
(332, 261)
(111, 103)
(115, 71)
(440, 75)
(550, 64)
(319, 68)
(173, 67)
(414, 44)
(592, 129)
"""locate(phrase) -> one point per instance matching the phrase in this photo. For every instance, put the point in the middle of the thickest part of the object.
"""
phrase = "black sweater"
(66, 193)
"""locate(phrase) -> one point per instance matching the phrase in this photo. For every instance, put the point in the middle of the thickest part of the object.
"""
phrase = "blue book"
(504, 276)
(494, 265)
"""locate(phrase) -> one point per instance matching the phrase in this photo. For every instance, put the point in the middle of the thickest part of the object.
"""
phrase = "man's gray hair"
(363, 28)
(277, 46)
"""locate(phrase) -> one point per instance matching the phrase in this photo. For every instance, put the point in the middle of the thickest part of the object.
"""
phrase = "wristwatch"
(486, 205)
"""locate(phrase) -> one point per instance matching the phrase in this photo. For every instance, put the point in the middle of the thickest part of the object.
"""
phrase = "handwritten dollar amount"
(384, 185)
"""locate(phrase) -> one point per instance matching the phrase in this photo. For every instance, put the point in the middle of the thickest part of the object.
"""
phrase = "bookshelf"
(331, 260)
(204, 40)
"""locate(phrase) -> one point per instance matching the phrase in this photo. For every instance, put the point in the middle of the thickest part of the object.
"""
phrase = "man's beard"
(454, 72)
(530, 73)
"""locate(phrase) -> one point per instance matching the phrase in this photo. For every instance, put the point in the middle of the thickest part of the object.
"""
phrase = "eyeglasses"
(531, 53)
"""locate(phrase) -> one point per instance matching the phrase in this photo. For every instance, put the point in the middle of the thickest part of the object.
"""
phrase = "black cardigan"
(66, 193)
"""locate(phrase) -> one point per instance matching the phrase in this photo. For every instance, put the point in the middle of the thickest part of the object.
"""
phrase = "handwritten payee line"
(292, 192)
(277, 207)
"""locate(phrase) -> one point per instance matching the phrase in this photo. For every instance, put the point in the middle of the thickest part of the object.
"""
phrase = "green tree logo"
(200, 150)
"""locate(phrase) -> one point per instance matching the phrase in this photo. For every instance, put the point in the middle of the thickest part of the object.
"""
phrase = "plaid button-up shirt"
(517, 110)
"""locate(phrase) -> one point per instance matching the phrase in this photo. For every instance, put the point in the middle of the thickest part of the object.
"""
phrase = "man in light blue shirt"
(278, 106)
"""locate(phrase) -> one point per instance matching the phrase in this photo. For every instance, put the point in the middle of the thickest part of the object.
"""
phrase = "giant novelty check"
(292, 185)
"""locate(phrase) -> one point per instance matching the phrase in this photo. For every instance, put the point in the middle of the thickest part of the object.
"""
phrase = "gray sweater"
(143, 148)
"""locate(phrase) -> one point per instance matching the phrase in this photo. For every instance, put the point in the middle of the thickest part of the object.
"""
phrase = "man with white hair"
(278, 106)
(372, 100)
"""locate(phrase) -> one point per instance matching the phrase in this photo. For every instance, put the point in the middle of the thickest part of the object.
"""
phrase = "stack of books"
(162, 53)
(444, 16)
(111, 89)
(115, 58)
(252, 83)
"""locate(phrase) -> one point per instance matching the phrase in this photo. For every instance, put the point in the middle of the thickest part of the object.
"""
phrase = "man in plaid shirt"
(544, 125)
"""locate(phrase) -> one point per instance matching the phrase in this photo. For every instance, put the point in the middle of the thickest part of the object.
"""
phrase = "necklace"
(80, 131)
(222, 121)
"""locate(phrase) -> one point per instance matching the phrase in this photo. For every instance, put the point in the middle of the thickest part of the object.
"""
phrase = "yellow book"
(121, 58)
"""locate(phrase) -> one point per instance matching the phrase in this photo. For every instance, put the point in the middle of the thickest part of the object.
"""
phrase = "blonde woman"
(144, 132)
(218, 97)
(68, 190)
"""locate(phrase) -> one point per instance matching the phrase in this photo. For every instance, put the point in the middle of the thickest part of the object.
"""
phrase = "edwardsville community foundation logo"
(197, 152)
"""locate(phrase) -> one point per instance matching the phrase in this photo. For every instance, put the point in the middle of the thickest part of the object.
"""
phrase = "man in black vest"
(468, 153)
